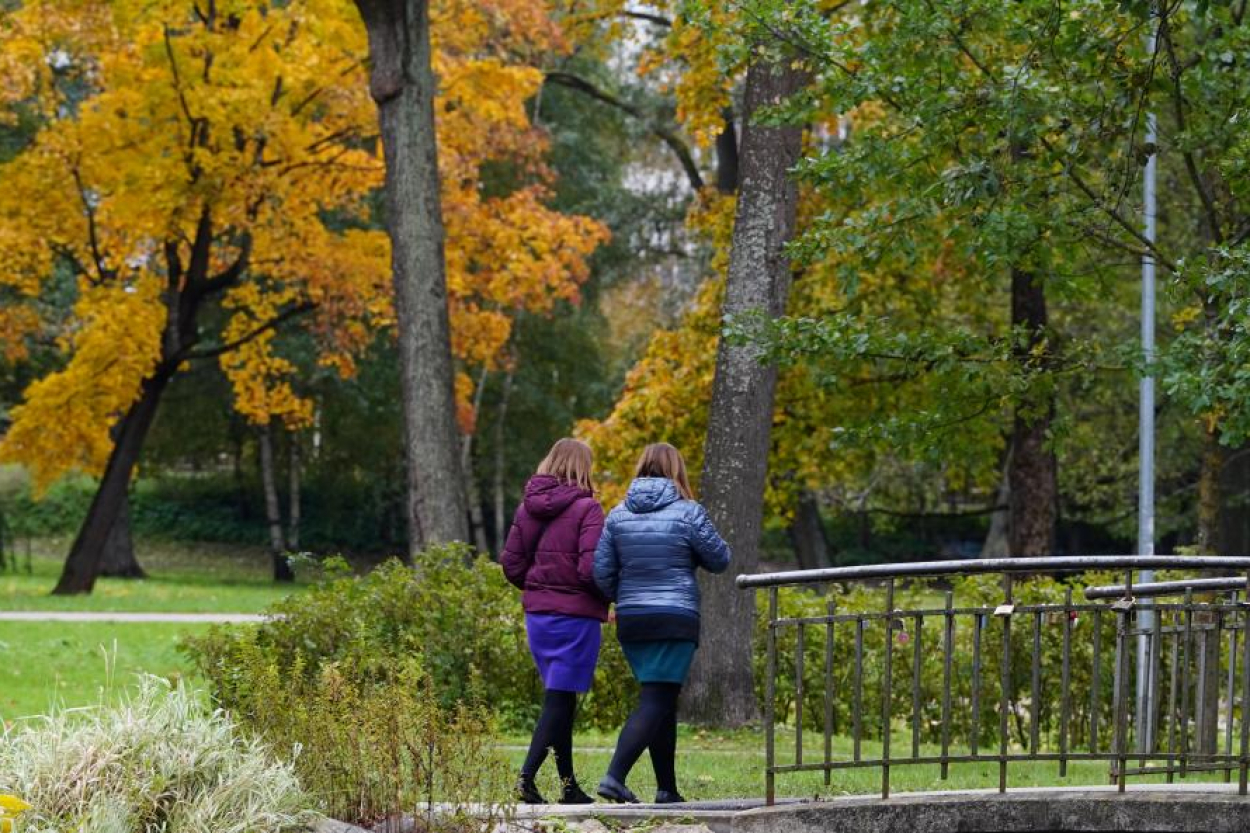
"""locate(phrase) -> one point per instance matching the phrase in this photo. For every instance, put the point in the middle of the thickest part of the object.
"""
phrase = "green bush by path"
(452, 609)
(49, 663)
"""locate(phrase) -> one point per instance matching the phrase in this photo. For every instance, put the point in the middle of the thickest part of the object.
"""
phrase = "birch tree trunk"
(403, 86)
(501, 520)
(721, 689)
(295, 480)
(273, 509)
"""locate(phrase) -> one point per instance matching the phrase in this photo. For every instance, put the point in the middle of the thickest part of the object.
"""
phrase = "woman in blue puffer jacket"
(652, 543)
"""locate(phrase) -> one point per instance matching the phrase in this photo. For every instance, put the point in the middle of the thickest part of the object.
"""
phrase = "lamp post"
(1146, 441)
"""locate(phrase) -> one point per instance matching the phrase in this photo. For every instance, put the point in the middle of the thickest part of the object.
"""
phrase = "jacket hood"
(547, 497)
(647, 494)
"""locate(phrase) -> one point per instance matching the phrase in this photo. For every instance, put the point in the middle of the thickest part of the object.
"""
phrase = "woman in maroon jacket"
(550, 554)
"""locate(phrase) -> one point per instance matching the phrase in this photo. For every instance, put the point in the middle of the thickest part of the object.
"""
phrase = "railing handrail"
(977, 566)
(1168, 588)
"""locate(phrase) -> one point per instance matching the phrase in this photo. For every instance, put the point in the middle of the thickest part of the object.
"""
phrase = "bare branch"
(273, 323)
(675, 143)
(658, 20)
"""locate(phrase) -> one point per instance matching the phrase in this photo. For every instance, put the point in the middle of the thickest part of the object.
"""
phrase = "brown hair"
(662, 460)
(569, 461)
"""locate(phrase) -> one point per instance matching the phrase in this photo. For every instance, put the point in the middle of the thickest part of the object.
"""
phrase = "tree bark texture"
(998, 539)
(807, 534)
(501, 421)
(1209, 494)
(403, 86)
(273, 508)
(1032, 470)
(118, 560)
(82, 565)
(294, 498)
(740, 420)
(727, 155)
(1235, 504)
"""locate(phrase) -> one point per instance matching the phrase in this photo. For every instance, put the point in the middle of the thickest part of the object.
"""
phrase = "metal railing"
(1008, 673)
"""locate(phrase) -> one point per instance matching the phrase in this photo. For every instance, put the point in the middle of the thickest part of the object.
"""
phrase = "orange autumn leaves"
(152, 115)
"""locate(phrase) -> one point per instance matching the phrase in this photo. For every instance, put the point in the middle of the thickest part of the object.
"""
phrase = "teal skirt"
(660, 660)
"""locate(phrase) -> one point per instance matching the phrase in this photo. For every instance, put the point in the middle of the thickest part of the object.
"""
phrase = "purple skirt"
(565, 649)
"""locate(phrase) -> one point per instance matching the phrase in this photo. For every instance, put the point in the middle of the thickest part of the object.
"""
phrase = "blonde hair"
(569, 461)
(662, 460)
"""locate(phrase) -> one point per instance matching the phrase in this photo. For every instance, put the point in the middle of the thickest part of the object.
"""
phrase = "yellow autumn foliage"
(157, 116)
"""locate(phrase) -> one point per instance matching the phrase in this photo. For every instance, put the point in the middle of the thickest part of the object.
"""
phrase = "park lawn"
(73, 663)
(183, 578)
(722, 765)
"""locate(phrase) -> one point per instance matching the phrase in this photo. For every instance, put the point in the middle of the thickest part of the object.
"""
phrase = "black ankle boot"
(574, 794)
(668, 797)
(614, 790)
(527, 791)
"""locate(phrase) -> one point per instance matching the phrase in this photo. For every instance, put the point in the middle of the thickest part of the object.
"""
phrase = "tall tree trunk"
(1209, 492)
(501, 520)
(807, 534)
(1032, 469)
(727, 162)
(1235, 504)
(82, 565)
(295, 496)
(997, 542)
(741, 415)
(118, 559)
(472, 492)
(273, 509)
(402, 84)
(1209, 543)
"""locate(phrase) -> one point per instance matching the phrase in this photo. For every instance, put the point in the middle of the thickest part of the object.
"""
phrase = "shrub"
(157, 761)
(452, 610)
(377, 743)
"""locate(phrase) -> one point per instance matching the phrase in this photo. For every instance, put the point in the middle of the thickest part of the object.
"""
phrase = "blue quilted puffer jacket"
(652, 543)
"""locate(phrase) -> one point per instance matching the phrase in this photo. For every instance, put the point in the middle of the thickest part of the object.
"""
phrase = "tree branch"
(273, 323)
(658, 20)
(1178, 109)
(1115, 216)
(675, 143)
(103, 272)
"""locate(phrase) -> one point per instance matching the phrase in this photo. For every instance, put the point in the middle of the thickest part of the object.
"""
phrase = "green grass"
(71, 663)
(183, 577)
(719, 765)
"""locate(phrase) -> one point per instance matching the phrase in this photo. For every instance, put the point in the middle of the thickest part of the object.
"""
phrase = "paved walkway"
(110, 616)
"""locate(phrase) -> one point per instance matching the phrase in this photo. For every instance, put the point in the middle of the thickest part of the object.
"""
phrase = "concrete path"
(109, 616)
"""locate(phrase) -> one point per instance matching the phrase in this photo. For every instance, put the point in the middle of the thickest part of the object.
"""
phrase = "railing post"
(831, 610)
(887, 688)
(1065, 697)
(1244, 767)
(1004, 703)
(1124, 608)
(770, 701)
(948, 640)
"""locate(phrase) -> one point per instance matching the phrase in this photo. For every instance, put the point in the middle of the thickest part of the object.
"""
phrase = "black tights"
(652, 726)
(553, 731)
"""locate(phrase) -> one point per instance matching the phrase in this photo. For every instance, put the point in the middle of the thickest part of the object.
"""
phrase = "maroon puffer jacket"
(550, 552)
